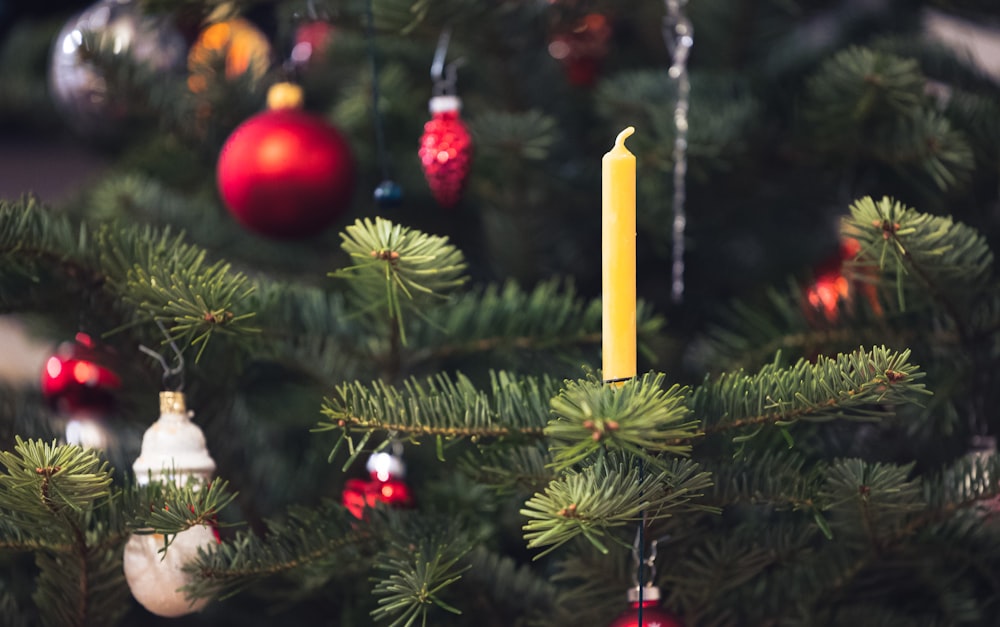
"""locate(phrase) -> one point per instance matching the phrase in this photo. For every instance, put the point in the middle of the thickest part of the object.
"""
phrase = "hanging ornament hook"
(444, 75)
(168, 372)
(644, 562)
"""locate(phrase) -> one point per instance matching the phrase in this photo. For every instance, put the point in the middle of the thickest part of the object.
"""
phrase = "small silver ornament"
(81, 89)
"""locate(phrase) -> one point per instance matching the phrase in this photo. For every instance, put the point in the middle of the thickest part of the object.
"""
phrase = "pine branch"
(551, 316)
(397, 268)
(863, 385)
(640, 418)
(926, 254)
(440, 406)
(607, 494)
(508, 470)
(322, 535)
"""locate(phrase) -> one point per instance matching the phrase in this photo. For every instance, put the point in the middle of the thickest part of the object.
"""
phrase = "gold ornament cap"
(172, 403)
(285, 95)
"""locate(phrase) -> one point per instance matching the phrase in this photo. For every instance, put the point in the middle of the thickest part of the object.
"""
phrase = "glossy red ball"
(79, 378)
(286, 174)
(360, 494)
(652, 616)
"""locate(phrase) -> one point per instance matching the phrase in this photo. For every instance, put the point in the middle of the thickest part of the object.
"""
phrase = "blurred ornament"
(85, 93)
(227, 51)
(285, 95)
(173, 448)
(311, 43)
(286, 174)
(388, 194)
(582, 49)
(446, 150)
(79, 379)
(832, 289)
(386, 485)
(652, 614)
(156, 578)
(173, 451)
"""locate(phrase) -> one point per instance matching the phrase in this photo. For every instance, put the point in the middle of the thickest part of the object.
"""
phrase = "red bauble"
(286, 174)
(79, 378)
(652, 614)
(832, 289)
(446, 150)
(384, 486)
(312, 42)
(582, 48)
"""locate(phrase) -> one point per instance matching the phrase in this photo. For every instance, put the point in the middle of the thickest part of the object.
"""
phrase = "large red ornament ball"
(286, 174)
(446, 150)
(78, 378)
(652, 616)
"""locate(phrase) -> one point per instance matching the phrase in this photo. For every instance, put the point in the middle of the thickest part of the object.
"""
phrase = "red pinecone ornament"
(446, 150)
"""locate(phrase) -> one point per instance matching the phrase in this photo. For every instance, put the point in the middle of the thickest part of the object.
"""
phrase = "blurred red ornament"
(78, 378)
(286, 174)
(312, 42)
(832, 289)
(384, 486)
(446, 150)
(652, 614)
(583, 48)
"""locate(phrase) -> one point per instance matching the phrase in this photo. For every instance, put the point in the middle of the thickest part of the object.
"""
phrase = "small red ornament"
(286, 174)
(582, 48)
(832, 288)
(78, 378)
(312, 42)
(652, 614)
(384, 486)
(446, 150)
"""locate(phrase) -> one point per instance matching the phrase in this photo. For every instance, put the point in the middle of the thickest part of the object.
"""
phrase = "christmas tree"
(331, 315)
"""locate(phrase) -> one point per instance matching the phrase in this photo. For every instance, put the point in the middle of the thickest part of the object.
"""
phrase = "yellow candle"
(618, 260)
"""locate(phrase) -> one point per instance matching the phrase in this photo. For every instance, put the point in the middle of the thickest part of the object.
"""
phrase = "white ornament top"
(443, 104)
(173, 448)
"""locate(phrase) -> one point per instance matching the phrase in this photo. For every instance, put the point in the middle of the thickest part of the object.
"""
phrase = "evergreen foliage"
(790, 460)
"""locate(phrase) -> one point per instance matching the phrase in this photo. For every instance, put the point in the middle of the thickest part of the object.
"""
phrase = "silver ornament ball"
(83, 91)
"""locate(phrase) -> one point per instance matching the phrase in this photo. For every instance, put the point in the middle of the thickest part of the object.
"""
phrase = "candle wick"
(625, 134)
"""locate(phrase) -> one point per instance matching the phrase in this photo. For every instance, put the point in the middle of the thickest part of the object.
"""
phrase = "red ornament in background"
(582, 49)
(832, 288)
(312, 42)
(652, 614)
(384, 486)
(79, 379)
(286, 174)
(446, 150)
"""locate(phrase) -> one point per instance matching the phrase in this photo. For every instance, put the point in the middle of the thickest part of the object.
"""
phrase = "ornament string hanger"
(175, 373)
(387, 193)
(678, 35)
(445, 76)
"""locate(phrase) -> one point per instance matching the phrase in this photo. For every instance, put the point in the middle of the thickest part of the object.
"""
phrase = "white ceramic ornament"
(155, 578)
(173, 448)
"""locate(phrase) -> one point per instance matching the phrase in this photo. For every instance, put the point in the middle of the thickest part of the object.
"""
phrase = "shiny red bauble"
(652, 616)
(582, 48)
(79, 378)
(446, 150)
(286, 174)
(385, 485)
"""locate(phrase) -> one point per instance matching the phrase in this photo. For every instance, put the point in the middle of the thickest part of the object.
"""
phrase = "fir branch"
(306, 537)
(551, 316)
(398, 268)
(51, 482)
(924, 253)
(640, 417)
(168, 280)
(780, 479)
(414, 577)
(510, 469)
(610, 493)
(441, 406)
(862, 385)
(163, 508)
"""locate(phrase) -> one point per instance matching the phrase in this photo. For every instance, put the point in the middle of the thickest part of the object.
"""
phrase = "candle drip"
(678, 34)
